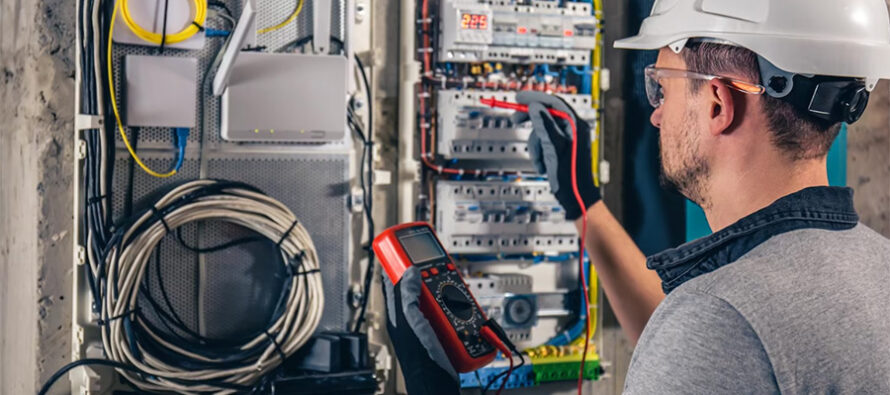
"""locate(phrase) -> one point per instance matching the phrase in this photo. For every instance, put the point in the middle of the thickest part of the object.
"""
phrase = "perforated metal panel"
(316, 188)
(233, 292)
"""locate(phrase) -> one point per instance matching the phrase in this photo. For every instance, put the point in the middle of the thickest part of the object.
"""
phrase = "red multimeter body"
(445, 299)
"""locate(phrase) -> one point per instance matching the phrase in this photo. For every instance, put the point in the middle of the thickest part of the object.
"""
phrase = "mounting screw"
(355, 296)
(361, 10)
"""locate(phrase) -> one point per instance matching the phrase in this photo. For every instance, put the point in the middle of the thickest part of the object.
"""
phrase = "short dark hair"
(795, 132)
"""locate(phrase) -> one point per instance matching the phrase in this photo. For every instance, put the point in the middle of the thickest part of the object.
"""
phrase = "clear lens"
(653, 87)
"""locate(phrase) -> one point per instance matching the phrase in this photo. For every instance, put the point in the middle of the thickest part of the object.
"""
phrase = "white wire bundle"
(126, 267)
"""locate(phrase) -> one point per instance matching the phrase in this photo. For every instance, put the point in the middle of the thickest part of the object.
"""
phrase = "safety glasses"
(655, 93)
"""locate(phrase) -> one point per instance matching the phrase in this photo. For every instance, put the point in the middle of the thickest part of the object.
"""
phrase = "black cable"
(131, 172)
(117, 365)
(88, 361)
(221, 5)
(369, 198)
(164, 27)
(493, 380)
(220, 247)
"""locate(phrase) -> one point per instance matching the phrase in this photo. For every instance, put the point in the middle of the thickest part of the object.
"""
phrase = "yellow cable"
(595, 92)
(117, 116)
(156, 38)
(289, 19)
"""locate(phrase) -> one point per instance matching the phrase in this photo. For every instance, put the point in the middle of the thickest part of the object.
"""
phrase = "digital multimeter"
(445, 299)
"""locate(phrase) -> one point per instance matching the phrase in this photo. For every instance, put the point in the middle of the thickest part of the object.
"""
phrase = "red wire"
(509, 372)
(581, 247)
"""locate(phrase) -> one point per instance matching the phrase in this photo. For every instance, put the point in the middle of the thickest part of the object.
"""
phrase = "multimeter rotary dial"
(456, 301)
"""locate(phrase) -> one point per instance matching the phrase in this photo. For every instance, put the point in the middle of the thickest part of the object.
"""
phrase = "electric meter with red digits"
(445, 299)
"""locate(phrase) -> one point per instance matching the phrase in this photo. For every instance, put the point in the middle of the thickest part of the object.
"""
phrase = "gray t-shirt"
(806, 311)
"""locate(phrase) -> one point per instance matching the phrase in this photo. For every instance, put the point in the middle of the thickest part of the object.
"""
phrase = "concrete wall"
(36, 123)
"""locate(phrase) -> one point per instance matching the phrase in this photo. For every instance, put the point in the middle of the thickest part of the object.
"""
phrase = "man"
(789, 295)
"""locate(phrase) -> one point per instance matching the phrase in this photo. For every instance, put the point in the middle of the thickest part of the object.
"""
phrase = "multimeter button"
(424, 274)
(434, 271)
(450, 266)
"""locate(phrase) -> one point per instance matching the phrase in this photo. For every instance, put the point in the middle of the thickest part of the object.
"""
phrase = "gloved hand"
(550, 146)
(423, 360)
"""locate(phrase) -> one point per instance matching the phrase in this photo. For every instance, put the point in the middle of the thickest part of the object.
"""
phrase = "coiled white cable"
(126, 263)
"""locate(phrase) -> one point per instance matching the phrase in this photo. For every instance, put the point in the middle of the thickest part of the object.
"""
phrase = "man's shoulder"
(791, 285)
(802, 258)
(696, 342)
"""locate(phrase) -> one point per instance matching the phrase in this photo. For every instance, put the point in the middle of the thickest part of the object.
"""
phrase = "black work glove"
(550, 146)
(423, 360)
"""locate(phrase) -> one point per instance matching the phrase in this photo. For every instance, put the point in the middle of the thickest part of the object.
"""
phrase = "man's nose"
(656, 118)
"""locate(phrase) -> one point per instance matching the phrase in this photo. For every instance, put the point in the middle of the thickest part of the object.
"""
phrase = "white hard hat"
(842, 38)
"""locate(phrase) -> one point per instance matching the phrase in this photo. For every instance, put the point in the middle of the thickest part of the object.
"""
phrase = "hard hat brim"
(640, 42)
(823, 57)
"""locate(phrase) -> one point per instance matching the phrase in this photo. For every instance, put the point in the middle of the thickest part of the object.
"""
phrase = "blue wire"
(216, 33)
(181, 137)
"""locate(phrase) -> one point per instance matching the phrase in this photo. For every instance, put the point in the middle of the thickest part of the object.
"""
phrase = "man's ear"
(722, 107)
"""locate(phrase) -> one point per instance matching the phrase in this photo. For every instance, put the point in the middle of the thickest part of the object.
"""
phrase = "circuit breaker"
(502, 217)
(470, 130)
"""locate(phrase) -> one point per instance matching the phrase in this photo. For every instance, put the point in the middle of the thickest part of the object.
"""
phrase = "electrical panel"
(218, 175)
(478, 186)
(510, 31)
(231, 105)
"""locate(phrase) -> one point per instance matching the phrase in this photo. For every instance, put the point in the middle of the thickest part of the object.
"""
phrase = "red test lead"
(494, 103)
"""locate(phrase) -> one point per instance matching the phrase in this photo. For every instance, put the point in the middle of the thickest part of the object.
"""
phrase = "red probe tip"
(504, 104)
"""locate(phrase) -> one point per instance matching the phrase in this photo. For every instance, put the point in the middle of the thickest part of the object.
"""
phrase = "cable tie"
(96, 199)
(295, 262)
(277, 346)
(460, 172)
(438, 169)
(287, 233)
(295, 274)
(159, 217)
(102, 322)
(200, 28)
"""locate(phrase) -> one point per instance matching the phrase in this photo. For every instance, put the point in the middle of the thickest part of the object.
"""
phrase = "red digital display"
(474, 21)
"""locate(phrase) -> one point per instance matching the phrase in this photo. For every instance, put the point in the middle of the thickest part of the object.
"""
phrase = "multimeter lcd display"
(422, 247)
(474, 21)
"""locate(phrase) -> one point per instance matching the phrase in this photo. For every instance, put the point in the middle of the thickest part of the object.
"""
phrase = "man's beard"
(691, 174)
